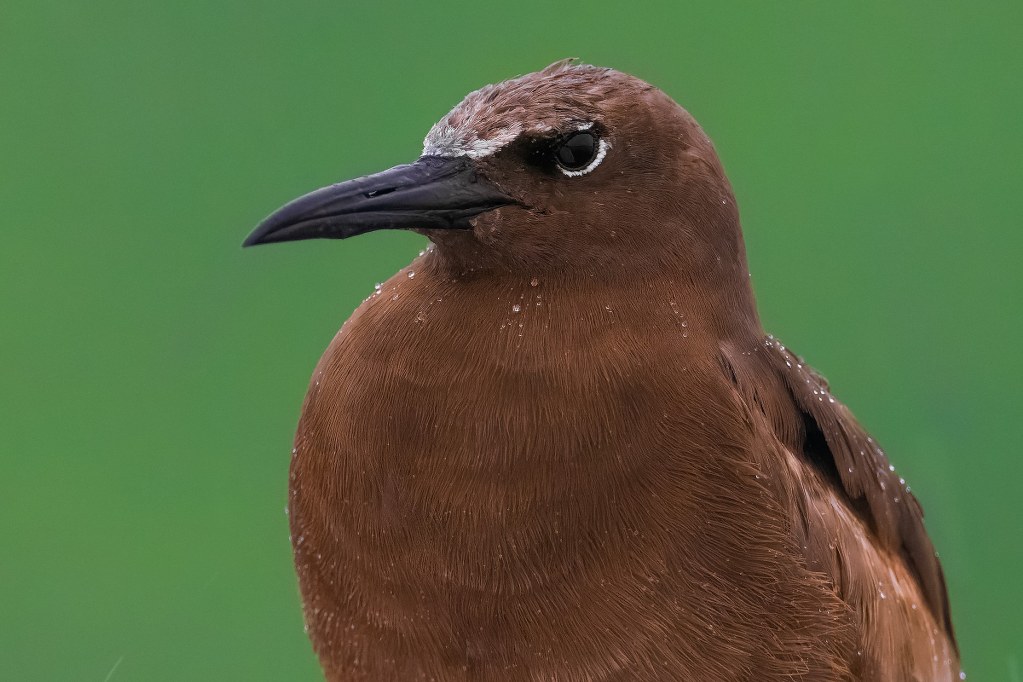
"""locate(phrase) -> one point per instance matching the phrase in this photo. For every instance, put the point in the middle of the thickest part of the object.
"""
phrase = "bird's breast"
(496, 422)
(511, 477)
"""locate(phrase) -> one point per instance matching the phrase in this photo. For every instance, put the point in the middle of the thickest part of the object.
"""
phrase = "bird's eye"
(577, 151)
(580, 153)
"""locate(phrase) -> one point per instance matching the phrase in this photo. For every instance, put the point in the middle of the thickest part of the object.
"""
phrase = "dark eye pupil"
(577, 151)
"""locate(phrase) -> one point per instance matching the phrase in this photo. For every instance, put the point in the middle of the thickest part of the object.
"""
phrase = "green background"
(152, 370)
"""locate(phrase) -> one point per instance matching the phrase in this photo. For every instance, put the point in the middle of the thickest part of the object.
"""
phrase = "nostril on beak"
(378, 192)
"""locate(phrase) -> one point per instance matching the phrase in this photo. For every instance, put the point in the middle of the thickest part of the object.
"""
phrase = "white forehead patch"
(447, 140)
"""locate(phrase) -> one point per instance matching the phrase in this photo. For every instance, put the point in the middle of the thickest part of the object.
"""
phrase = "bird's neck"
(713, 289)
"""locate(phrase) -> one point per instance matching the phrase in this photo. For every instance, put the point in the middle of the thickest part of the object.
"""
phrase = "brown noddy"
(560, 446)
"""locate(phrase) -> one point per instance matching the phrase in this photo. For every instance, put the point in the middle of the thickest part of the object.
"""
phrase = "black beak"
(435, 192)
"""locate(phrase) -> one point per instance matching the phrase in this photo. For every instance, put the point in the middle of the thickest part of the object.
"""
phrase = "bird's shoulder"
(822, 437)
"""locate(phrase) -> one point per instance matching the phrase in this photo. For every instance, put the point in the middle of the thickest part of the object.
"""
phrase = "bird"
(559, 444)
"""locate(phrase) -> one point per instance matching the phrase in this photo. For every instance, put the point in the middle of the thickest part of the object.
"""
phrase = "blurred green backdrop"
(153, 371)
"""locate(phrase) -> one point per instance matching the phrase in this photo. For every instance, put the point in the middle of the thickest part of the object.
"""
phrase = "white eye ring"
(602, 147)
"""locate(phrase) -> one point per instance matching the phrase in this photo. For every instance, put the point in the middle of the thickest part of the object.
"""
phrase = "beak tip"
(261, 235)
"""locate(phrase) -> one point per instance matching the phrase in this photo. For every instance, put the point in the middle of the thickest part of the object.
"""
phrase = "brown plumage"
(559, 445)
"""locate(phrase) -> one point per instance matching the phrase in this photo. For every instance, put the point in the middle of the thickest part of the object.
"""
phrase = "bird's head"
(574, 168)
